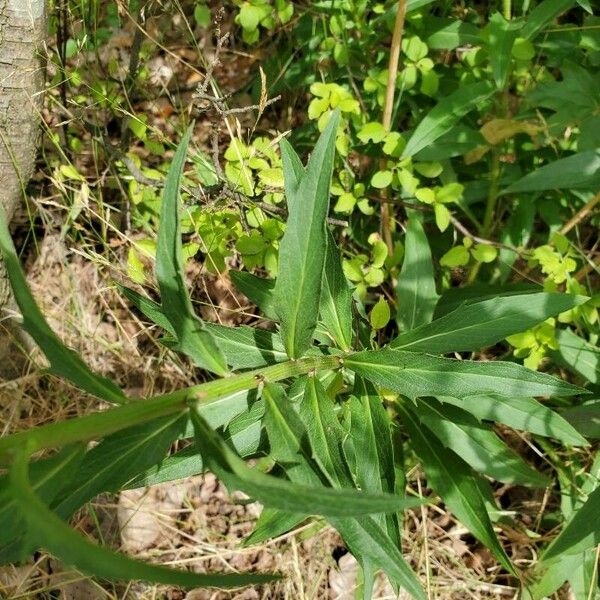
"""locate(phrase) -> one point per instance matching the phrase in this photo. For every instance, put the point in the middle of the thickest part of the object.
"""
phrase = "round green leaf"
(380, 314)
(381, 179)
(455, 257)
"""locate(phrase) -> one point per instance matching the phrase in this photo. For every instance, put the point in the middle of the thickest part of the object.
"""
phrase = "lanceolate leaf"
(477, 444)
(52, 534)
(293, 171)
(581, 171)
(580, 533)
(325, 434)
(63, 361)
(371, 441)
(47, 477)
(413, 374)
(501, 36)
(248, 347)
(193, 338)
(415, 290)
(577, 355)
(243, 434)
(543, 14)
(485, 323)
(258, 291)
(116, 459)
(243, 347)
(367, 540)
(585, 418)
(336, 298)
(369, 543)
(454, 481)
(302, 248)
(442, 117)
(281, 494)
(525, 414)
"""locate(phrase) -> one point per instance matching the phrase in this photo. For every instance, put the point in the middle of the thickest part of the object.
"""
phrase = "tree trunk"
(22, 33)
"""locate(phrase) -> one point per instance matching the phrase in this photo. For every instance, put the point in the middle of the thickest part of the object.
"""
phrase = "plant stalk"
(100, 424)
(388, 109)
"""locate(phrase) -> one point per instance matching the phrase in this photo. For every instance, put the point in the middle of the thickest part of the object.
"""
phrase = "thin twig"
(581, 214)
(389, 107)
(460, 227)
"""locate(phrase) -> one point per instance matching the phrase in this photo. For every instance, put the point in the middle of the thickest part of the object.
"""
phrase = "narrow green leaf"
(243, 434)
(501, 37)
(415, 289)
(477, 444)
(248, 347)
(580, 533)
(578, 171)
(293, 171)
(453, 298)
(577, 355)
(282, 494)
(585, 418)
(52, 534)
(64, 362)
(193, 338)
(148, 308)
(325, 433)
(336, 298)
(47, 478)
(303, 246)
(259, 291)
(480, 324)
(442, 117)
(118, 458)
(543, 14)
(271, 524)
(366, 539)
(454, 481)
(415, 375)
(369, 543)
(525, 414)
(371, 440)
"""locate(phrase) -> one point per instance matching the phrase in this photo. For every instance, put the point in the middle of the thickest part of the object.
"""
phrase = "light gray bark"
(22, 33)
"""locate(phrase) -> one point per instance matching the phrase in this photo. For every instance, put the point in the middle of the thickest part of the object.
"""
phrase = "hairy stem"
(100, 424)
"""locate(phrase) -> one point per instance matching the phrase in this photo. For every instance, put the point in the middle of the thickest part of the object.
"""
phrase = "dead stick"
(388, 109)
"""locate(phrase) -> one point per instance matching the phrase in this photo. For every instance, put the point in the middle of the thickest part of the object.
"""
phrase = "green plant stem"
(490, 207)
(101, 424)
